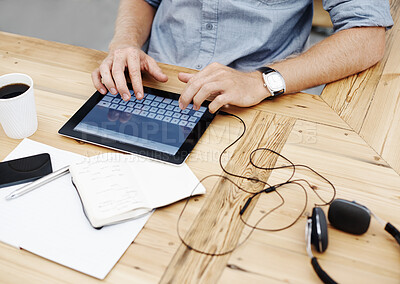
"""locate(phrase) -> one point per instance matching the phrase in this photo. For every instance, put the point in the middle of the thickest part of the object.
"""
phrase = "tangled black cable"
(268, 189)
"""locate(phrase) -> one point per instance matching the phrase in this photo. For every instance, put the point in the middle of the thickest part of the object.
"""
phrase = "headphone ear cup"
(349, 217)
(319, 230)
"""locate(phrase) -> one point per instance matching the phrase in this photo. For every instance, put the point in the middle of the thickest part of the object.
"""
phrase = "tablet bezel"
(68, 130)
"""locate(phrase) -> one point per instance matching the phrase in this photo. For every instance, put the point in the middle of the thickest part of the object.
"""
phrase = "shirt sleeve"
(154, 3)
(346, 14)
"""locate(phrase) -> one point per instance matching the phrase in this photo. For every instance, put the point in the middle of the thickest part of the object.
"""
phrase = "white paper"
(49, 221)
(160, 183)
(109, 190)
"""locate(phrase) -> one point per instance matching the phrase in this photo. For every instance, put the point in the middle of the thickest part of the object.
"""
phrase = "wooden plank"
(303, 106)
(58, 79)
(381, 126)
(353, 167)
(44, 51)
(369, 101)
(350, 97)
(41, 59)
(321, 17)
(217, 227)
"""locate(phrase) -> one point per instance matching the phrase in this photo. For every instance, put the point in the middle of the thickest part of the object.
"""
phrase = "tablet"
(154, 127)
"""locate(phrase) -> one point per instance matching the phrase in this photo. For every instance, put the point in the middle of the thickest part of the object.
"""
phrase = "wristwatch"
(273, 81)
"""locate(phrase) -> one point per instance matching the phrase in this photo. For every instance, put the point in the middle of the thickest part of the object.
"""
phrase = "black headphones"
(347, 216)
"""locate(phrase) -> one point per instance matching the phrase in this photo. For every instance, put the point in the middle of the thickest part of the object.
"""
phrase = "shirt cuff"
(365, 13)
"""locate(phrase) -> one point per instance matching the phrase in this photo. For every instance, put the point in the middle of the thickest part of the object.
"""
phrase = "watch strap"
(266, 70)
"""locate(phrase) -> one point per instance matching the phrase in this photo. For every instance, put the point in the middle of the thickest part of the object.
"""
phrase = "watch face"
(274, 82)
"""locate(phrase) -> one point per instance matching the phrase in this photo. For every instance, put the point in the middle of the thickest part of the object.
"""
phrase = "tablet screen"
(155, 122)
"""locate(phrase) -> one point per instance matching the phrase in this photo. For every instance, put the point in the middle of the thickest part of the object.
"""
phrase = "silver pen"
(37, 183)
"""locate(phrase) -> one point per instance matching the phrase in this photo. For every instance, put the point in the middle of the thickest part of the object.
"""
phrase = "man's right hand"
(110, 75)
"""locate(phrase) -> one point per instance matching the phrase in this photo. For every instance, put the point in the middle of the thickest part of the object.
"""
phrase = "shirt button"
(209, 26)
(199, 66)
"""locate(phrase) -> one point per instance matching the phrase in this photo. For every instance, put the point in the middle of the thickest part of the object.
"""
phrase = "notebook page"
(107, 188)
(161, 183)
(173, 183)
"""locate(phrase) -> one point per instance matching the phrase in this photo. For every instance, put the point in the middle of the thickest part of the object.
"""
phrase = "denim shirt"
(247, 34)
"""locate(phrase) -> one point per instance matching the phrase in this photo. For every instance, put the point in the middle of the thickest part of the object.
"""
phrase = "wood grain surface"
(210, 231)
(300, 126)
(370, 101)
(321, 17)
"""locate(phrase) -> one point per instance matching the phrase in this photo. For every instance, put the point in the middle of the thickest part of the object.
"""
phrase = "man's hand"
(111, 74)
(224, 85)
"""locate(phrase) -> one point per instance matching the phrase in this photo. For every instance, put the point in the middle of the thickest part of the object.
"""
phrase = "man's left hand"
(223, 85)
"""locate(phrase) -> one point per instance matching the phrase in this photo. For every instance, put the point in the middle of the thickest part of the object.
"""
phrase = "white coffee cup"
(18, 114)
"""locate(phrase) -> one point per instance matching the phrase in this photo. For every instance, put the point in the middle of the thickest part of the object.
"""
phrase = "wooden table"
(302, 127)
(369, 102)
(321, 17)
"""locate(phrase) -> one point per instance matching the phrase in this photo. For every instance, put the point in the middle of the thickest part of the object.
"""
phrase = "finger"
(119, 76)
(211, 72)
(107, 78)
(193, 86)
(135, 75)
(213, 68)
(185, 77)
(155, 70)
(218, 102)
(96, 79)
(205, 91)
(191, 89)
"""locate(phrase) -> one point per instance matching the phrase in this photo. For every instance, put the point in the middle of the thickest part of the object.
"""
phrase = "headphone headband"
(344, 215)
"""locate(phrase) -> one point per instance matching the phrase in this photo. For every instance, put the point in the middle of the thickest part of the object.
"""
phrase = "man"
(242, 36)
